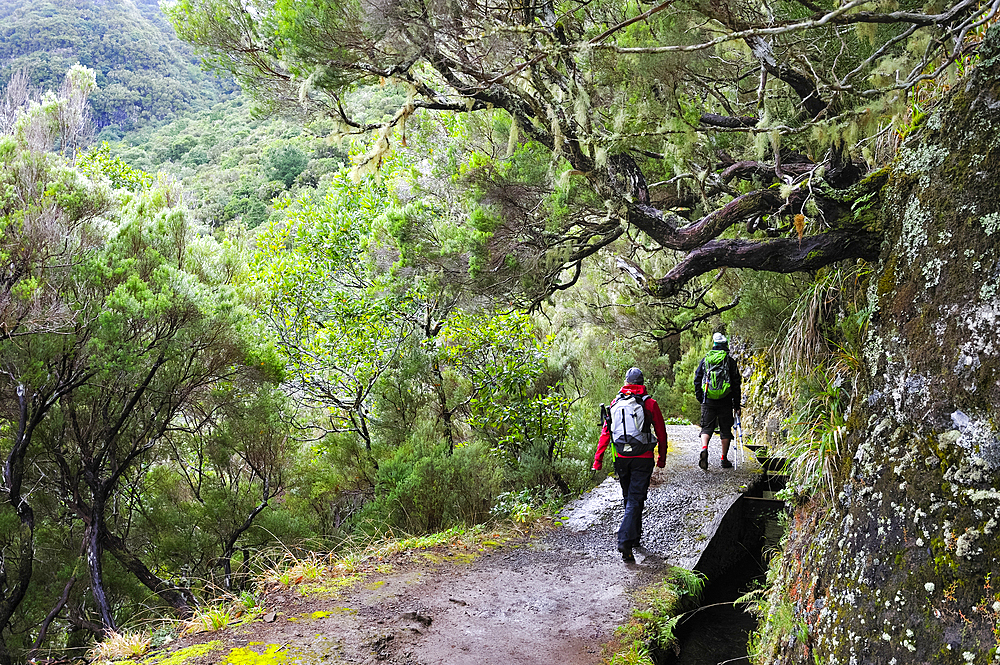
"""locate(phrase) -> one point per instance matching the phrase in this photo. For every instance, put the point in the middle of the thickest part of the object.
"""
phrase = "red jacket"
(653, 409)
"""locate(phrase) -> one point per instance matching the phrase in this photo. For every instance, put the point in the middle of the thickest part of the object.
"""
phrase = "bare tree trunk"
(95, 552)
(446, 413)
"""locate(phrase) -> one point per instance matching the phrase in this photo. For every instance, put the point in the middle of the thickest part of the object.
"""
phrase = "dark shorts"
(720, 417)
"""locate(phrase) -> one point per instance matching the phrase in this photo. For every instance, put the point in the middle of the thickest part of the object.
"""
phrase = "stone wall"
(904, 566)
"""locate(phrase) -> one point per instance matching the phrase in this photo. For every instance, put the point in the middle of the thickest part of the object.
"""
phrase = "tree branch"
(661, 228)
(48, 619)
(783, 255)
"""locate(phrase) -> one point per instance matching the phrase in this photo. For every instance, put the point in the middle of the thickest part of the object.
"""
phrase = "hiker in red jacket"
(635, 426)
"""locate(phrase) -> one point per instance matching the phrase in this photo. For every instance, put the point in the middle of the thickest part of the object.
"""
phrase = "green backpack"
(716, 378)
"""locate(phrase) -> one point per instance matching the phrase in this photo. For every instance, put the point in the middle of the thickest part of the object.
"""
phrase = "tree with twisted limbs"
(729, 133)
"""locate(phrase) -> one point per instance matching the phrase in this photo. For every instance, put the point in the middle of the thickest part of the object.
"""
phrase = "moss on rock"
(901, 567)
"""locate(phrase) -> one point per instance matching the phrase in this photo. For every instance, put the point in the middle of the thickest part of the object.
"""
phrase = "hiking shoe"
(726, 464)
(627, 555)
(703, 460)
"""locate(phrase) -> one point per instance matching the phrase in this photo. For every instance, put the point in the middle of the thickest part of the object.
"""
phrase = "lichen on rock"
(901, 566)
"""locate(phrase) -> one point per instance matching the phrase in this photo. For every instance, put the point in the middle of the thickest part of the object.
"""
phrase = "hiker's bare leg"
(704, 441)
(725, 448)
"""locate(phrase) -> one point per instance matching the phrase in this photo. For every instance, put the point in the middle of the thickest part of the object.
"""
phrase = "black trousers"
(634, 474)
(721, 416)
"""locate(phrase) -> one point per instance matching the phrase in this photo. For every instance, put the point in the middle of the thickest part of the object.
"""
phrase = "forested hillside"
(144, 73)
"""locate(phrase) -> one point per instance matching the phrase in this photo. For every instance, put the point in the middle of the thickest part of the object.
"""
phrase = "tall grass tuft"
(121, 646)
(818, 363)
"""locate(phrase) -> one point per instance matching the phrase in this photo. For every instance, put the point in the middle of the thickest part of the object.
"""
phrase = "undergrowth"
(658, 608)
(816, 369)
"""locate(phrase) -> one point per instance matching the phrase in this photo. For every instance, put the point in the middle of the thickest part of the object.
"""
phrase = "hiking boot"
(726, 464)
(703, 460)
(627, 555)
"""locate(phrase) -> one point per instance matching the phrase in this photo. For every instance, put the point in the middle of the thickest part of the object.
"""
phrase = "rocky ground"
(552, 598)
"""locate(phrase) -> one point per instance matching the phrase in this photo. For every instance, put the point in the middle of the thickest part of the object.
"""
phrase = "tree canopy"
(730, 133)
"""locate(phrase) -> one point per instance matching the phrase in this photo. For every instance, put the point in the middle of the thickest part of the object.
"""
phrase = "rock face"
(904, 565)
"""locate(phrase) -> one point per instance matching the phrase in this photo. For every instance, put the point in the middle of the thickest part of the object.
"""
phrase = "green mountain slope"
(144, 72)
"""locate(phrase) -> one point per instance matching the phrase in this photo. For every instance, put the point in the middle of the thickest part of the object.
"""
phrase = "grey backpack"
(630, 426)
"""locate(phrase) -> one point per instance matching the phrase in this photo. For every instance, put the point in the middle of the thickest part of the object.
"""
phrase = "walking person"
(635, 426)
(717, 387)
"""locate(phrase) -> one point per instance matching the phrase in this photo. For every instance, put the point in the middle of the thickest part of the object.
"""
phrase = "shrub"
(433, 492)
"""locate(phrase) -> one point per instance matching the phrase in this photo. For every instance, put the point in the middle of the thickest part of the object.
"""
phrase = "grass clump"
(121, 646)
(230, 611)
(651, 627)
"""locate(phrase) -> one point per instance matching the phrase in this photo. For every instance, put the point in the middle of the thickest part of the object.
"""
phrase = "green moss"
(345, 610)
(274, 653)
(182, 656)
(887, 281)
(448, 557)
(328, 587)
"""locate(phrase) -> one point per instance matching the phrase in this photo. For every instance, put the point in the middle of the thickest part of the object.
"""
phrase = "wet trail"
(552, 599)
(559, 598)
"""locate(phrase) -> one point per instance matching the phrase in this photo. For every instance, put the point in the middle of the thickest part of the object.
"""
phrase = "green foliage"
(122, 176)
(500, 356)
(245, 206)
(816, 431)
(150, 380)
(234, 166)
(424, 493)
(776, 615)
(766, 300)
(658, 608)
(283, 162)
(817, 362)
(522, 506)
(679, 400)
(339, 330)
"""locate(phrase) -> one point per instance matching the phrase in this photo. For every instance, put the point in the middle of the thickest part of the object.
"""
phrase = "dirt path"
(552, 599)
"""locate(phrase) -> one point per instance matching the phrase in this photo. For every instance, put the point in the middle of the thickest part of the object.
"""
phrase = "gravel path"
(559, 598)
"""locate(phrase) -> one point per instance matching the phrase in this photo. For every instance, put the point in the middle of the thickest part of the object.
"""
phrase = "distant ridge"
(144, 72)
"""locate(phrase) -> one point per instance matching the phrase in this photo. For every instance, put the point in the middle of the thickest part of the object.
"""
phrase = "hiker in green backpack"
(717, 386)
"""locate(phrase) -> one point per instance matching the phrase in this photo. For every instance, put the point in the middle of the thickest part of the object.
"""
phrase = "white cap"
(719, 338)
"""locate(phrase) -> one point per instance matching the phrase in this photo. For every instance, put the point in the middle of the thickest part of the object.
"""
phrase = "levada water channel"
(734, 562)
